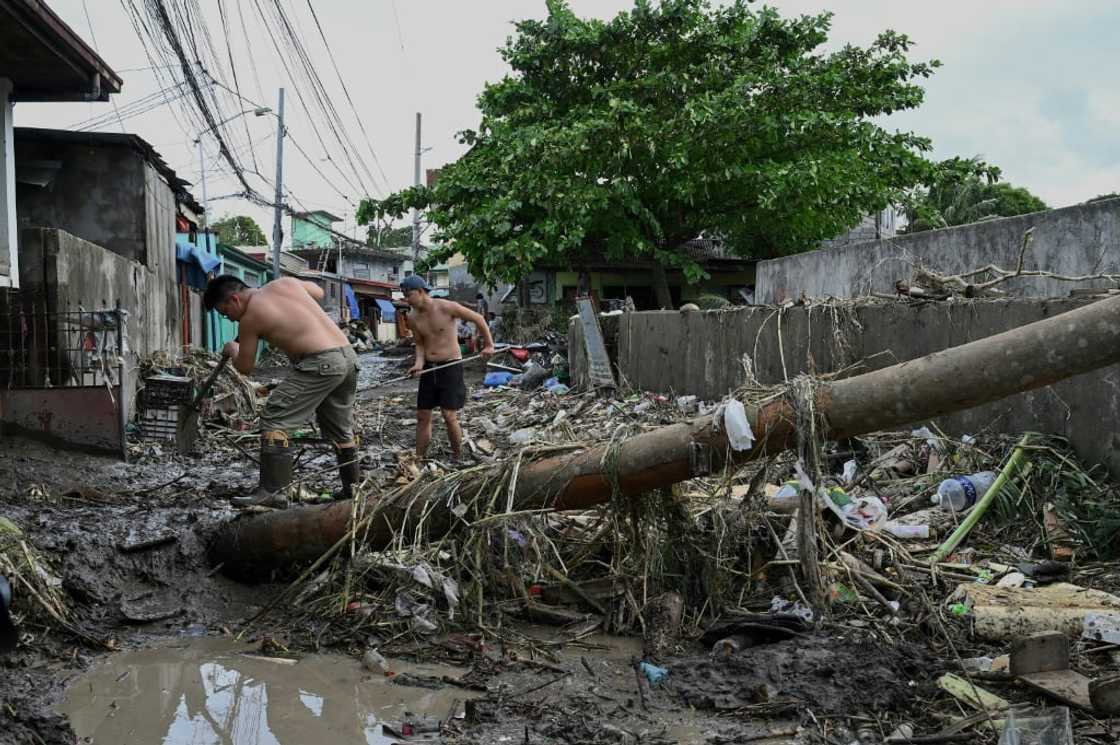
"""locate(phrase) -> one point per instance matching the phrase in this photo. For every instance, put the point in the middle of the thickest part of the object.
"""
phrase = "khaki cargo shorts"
(324, 384)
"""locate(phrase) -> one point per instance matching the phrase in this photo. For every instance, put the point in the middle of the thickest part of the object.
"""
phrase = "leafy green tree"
(386, 236)
(959, 199)
(239, 230)
(630, 137)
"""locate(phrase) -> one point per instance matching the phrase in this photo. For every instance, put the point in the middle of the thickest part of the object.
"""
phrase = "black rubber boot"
(349, 471)
(276, 473)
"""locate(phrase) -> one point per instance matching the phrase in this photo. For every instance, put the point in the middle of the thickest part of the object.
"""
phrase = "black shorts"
(443, 389)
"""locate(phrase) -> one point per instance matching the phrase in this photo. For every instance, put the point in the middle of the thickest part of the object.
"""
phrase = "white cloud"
(1007, 66)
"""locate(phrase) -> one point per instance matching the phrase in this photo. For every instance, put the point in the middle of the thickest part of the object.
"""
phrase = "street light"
(258, 111)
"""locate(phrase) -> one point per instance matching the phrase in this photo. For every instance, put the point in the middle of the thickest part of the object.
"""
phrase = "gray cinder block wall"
(701, 353)
(1079, 240)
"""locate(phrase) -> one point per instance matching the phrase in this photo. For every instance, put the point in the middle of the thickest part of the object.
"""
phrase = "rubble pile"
(235, 400)
(726, 548)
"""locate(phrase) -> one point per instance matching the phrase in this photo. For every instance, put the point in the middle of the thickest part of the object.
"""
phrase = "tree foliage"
(239, 230)
(957, 199)
(386, 236)
(628, 137)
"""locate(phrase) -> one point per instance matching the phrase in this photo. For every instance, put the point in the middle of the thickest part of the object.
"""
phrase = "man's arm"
(314, 290)
(466, 314)
(419, 340)
(243, 353)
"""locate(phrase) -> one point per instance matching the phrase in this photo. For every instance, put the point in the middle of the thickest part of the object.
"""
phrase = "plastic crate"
(167, 391)
(160, 424)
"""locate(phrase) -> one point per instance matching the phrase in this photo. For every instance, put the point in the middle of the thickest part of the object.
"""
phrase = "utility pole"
(416, 212)
(278, 215)
(202, 171)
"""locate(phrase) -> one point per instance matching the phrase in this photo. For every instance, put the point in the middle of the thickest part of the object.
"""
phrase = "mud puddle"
(219, 692)
(374, 368)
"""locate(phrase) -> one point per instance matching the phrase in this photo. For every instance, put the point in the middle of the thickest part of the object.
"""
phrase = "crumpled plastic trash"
(732, 417)
(653, 673)
(779, 606)
(498, 378)
(409, 607)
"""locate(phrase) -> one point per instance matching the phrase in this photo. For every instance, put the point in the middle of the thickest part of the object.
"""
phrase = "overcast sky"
(1030, 85)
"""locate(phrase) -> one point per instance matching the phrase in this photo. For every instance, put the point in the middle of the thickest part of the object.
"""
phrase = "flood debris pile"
(709, 572)
(31, 575)
(235, 401)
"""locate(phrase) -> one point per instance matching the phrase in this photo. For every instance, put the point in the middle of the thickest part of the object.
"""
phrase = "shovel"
(187, 430)
(452, 363)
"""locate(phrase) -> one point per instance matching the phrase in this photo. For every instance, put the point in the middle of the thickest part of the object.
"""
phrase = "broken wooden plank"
(599, 370)
(971, 694)
(1104, 694)
(1068, 686)
(1039, 653)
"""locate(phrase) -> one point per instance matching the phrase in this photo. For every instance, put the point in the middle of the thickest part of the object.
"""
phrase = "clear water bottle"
(961, 492)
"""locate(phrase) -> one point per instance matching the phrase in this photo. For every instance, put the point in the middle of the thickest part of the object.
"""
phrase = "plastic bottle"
(961, 492)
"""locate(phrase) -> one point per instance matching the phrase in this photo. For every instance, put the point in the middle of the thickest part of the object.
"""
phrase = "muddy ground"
(127, 541)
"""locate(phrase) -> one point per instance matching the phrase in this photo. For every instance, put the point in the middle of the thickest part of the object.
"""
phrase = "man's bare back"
(435, 330)
(285, 314)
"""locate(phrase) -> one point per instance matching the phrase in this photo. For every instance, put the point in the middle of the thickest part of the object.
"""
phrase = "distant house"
(313, 229)
(353, 259)
(558, 282)
(882, 224)
(290, 264)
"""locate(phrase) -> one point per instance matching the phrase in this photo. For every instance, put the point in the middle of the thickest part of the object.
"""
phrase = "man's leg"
(454, 431)
(289, 406)
(336, 422)
(423, 431)
(427, 398)
(275, 472)
(453, 397)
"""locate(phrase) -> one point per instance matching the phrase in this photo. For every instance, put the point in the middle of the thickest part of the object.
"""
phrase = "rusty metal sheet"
(86, 417)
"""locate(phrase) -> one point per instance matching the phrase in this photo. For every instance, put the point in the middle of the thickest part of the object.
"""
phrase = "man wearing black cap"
(433, 325)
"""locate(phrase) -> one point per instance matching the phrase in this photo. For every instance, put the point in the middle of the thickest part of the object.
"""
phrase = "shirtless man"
(432, 321)
(323, 380)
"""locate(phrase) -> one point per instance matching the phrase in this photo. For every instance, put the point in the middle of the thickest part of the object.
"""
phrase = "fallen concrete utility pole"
(959, 378)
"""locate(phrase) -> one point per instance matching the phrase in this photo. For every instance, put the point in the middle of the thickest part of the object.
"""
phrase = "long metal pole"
(202, 176)
(416, 212)
(278, 215)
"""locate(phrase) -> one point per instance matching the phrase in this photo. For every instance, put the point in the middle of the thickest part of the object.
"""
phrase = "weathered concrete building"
(41, 59)
(112, 191)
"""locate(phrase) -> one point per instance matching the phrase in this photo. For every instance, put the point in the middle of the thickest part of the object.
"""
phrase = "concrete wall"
(1084, 239)
(86, 417)
(159, 226)
(72, 272)
(9, 230)
(99, 194)
(701, 354)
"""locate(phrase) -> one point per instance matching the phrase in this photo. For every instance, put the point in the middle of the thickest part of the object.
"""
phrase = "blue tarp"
(351, 301)
(199, 263)
(388, 312)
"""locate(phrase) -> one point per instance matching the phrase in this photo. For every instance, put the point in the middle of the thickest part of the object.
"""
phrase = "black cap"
(414, 282)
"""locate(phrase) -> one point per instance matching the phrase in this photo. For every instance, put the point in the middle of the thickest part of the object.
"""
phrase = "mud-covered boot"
(276, 473)
(349, 471)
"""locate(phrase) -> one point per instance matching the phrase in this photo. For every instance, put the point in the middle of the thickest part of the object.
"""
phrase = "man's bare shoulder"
(283, 286)
(446, 307)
